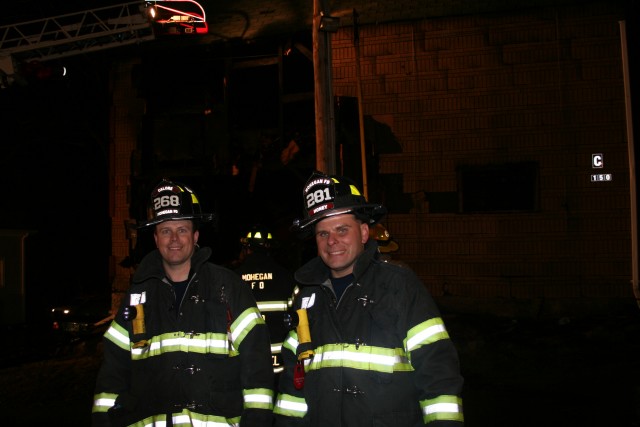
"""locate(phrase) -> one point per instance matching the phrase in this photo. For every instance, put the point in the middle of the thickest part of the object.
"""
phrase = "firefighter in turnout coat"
(368, 346)
(188, 345)
(271, 283)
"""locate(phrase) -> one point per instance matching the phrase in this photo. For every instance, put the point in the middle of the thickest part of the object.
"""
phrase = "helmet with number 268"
(174, 201)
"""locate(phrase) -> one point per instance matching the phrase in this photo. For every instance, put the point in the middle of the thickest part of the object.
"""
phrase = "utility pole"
(322, 27)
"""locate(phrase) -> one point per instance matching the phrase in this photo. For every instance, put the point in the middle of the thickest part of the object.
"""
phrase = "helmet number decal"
(318, 196)
(164, 201)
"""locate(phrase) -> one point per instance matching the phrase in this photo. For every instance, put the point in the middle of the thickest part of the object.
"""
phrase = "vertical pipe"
(363, 150)
(632, 163)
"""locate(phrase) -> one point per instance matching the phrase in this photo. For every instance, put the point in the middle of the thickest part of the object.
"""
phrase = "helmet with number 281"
(174, 201)
(329, 195)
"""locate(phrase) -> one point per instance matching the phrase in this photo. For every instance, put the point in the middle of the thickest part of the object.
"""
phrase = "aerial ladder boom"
(74, 33)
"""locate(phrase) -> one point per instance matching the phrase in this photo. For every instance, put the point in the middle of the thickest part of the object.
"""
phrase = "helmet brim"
(369, 213)
(200, 218)
(387, 247)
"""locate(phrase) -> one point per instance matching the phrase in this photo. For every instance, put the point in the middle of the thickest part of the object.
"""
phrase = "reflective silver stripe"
(276, 347)
(426, 332)
(258, 398)
(441, 407)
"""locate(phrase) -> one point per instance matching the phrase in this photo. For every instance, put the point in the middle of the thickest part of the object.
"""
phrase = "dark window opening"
(443, 202)
(499, 188)
(391, 194)
(254, 98)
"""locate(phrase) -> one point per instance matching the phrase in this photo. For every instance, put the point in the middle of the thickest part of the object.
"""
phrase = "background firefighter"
(271, 283)
(386, 244)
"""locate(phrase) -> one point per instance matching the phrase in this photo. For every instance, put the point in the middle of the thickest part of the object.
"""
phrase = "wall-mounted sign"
(597, 161)
(601, 177)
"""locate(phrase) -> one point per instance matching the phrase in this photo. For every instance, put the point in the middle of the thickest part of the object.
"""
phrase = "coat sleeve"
(250, 337)
(433, 357)
(290, 407)
(113, 380)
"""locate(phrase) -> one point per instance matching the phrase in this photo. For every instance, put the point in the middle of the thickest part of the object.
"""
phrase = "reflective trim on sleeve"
(268, 306)
(442, 408)
(291, 342)
(102, 402)
(258, 398)
(290, 406)
(370, 358)
(118, 335)
(427, 332)
(276, 347)
(244, 324)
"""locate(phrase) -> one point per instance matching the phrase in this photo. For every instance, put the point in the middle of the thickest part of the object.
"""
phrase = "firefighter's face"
(340, 240)
(176, 241)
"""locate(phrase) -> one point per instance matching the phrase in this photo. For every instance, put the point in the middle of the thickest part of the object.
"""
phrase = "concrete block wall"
(540, 85)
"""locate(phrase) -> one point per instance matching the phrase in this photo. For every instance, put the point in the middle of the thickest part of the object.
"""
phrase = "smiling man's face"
(176, 241)
(340, 239)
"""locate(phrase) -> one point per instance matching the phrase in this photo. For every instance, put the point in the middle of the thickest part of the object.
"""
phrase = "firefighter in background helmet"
(386, 244)
(188, 345)
(271, 283)
(374, 349)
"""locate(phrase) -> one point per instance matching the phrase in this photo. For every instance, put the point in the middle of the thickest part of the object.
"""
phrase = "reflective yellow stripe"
(118, 335)
(182, 341)
(102, 402)
(258, 398)
(291, 343)
(444, 407)
(154, 420)
(189, 418)
(204, 343)
(269, 306)
(290, 406)
(424, 333)
(243, 325)
(371, 358)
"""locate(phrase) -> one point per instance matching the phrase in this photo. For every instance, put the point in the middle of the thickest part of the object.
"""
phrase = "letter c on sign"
(597, 161)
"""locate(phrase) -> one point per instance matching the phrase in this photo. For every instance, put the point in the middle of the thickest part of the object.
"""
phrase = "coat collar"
(151, 264)
(315, 272)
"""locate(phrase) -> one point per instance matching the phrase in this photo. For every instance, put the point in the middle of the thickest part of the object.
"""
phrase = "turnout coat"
(381, 355)
(202, 361)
